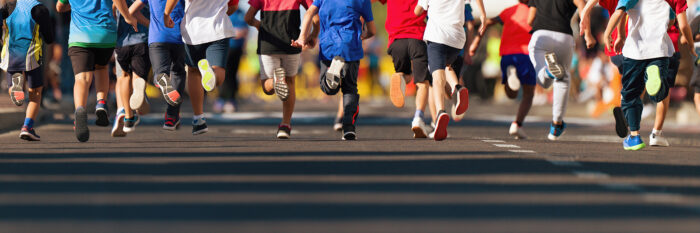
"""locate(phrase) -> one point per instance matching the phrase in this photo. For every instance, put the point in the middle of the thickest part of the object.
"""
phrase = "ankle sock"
(418, 114)
(656, 132)
(197, 118)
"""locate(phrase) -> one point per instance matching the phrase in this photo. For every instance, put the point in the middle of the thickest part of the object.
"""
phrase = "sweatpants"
(561, 44)
(169, 58)
(634, 77)
(348, 85)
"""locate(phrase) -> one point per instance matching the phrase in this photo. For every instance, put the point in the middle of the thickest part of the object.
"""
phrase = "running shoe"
(118, 128)
(653, 84)
(420, 130)
(199, 127)
(208, 77)
(333, 77)
(517, 131)
(633, 143)
(131, 123)
(17, 91)
(284, 132)
(101, 112)
(620, 123)
(82, 133)
(281, 87)
(554, 69)
(462, 99)
(658, 139)
(170, 94)
(138, 94)
(28, 134)
(172, 123)
(441, 127)
(397, 90)
(453, 112)
(555, 131)
(513, 81)
(338, 126)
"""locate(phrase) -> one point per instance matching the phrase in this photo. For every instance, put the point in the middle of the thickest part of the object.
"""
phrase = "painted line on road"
(591, 175)
(522, 151)
(506, 145)
(493, 141)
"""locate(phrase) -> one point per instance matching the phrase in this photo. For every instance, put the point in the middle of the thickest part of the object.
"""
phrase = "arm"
(232, 7)
(531, 15)
(124, 10)
(62, 6)
(686, 32)
(250, 17)
(305, 24)
(615, 19)
(477, 39)
(41, 15)
(135, 10)
(370, 32)
(588, 35)
(169, 6)
(419, 10)
(585, 24)
(482, 10)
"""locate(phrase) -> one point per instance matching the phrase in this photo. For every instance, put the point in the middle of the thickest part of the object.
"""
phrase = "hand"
(683, 40)
(693, 53)
(607, 41)
(168, 21)
(131, 20)
(299, 43)
(482, 28)
(310, 43)
(472, 49)
(467, 59)
(619, 43)
(584, 25)
(590, 41)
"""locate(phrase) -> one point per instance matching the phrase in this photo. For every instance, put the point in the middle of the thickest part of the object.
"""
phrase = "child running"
(27, 27)
(206, 30)
(646, 58)
(279, 61)
(341, 35)
(516, 69)
(445, 37)
(93, 36)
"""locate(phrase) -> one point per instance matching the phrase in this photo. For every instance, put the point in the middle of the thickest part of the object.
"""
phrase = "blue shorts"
(440, 55)
(468, 13)
(523, 65)
(215, 52)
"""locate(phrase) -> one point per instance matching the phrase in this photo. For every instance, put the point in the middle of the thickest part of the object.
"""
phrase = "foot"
(620, 123)
(138, 94)
(554, 69)
(172, 123)
(131, 123)
(633, 143)
(462, 99)
(17, 91)
(658, 139)
(420, 130)
(281, 87)
(284, 132)
(82, 133)
(208, 78)
(513, 81)
(555, 131)
(441, 127)
(199, 127)
(517, 131)
(397, 90)
(170, 94)
(333, 77)
(653, 84)
(28, 134)
(101, 112)
(118, 128)
(338, 126)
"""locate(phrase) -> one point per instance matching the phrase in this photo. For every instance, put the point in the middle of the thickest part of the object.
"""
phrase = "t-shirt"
(125, 33)
(26, 29)
(341, 27)
(445, 22)
(206, 21)
(401, 22)
(92, 24)
(279, 25)
(157, 31)
(516, 30)
(238, 21)
(645, 40)
(553, 15)
(610, 6)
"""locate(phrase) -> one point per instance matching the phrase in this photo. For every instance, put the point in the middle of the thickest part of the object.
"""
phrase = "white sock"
(656, 132)
(120, 110)
(197, 118)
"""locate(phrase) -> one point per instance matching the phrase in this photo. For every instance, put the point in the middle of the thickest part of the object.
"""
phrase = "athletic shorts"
(410, 56)
(215, 52)
(523, 66)
(35, 77)
(269, 62)
(457, 65)
(673, 63)
(85, 59)
(439, 55)
(468, 13)
(134, 59)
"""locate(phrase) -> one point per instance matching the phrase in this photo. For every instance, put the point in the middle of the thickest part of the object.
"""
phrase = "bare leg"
(81, 88)
(525, 103)
(268, 86)
(339, 115)
(288, 105)
(451, 77)
(439, 90)
(34, 102)
(661, 111)
(101, 82)
(123, 90)
(697, 102)
(431, 104)
(220, 74)
(421, 95)
(194, 84)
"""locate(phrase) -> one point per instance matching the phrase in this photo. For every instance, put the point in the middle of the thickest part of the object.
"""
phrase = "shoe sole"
(171, 96)
(338, 127)
(208, 79)
(201, 131)
(349, 136)
(462, 101)
(281, 87)
(82, 133)
(28, 137)
(17, 91)
(552, 137)
(513, 81)
(172, 128)
(102, 117)
(282, 136)
(119, 130)
(418, 132)
(620, 122)
(397, 87)
(138, 93)
(441, 127)
(653, 84)
(637, 147)
(334, 72)
(553, 66)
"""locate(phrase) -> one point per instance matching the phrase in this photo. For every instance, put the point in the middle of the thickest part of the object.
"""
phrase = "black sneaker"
(349, 132)
(16, 90)
(172, 123)
(620, 122)
(101, 112)
(131, 123)
(81, 129)
(29, 134)
(199, 127)
(284, 132)
(170, 94)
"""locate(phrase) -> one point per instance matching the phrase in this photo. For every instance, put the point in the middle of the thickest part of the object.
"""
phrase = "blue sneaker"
(29, 134)
(555, 131)
(101, 112)
(633, 143)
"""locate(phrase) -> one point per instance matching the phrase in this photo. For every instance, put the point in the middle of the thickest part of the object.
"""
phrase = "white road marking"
(493, 141)
(662, 197)
(506, 145)
(522, 151)
(591, 175)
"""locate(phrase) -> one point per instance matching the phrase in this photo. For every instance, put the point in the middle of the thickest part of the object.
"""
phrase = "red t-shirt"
(232, 2)
(516, 28)
(401, 22)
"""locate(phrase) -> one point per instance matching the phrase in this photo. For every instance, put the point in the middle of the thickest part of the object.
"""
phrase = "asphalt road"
(239, 178)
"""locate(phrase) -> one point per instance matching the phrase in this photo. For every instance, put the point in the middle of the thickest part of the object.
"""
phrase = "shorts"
(673, 63)
(269, 62)
(457, 65)
(523, 66)
(85, 59)
(439, 55)
(468, 12)
(215, 52)
(134, 59)
(35, 77)
(617, 61)
(410, 56)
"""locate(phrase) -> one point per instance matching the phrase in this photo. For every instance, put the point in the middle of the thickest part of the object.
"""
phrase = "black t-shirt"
(553, 15)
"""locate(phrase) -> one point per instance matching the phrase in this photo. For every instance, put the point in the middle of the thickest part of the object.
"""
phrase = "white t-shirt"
(647, 26)
(445, 22)
(205, 21)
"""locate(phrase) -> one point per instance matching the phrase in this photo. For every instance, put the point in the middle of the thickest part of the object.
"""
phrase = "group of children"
(426, 38)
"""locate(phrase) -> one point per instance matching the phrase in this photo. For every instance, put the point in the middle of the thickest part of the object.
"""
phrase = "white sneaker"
(517, 131)
(118, 128)
(420, 130)
(513, 81)
(554, 68)
(658, 140)
(333, 77)
(138, 94)
(280, 85)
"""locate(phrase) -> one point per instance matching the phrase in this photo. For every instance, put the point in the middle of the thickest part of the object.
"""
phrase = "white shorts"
(269, 62)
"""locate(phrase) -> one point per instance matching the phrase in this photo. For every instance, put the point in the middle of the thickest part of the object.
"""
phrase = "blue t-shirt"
(341, 27)
(125, 33)
(238, 20)
(157, 32)
(92, 24)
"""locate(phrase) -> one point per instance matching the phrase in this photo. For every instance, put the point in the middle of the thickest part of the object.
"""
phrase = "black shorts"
(457, 65)
(85, 59)
(134, 58)
(410, 56)
(34, 78)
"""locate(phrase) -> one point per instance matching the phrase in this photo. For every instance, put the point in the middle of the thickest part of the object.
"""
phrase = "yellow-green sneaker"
(653, 84)
(208, 78)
